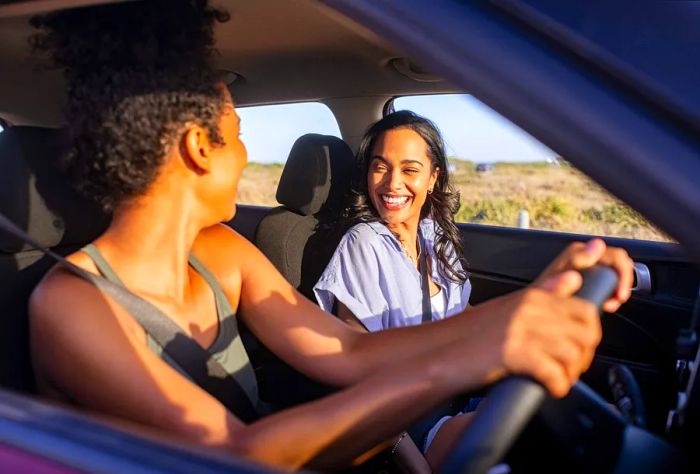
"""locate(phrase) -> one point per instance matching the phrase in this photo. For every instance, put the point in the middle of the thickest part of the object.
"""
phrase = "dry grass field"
(557, 198)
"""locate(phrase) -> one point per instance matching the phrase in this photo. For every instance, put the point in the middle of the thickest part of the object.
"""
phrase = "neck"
(407, 233)
(149, 242)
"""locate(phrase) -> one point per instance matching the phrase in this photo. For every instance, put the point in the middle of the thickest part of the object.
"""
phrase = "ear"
(433, 178)
(197, 148)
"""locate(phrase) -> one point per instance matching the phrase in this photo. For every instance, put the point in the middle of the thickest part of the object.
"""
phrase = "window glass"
(269, 131)
(507, 178)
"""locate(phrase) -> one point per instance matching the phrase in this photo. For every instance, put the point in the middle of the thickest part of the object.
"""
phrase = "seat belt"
(185, 351)
(425, 283)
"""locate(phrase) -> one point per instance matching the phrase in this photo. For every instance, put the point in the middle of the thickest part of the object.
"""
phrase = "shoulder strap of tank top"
(228, 324)
(197, 362)
(223, 305)
(102, 265)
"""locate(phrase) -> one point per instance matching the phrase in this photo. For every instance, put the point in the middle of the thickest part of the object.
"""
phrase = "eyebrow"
(403, 162)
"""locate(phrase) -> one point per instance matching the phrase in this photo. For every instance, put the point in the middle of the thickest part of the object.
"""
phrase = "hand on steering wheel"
(511, 403)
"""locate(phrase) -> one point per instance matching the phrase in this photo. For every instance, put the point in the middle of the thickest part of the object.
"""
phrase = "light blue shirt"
(371, 275)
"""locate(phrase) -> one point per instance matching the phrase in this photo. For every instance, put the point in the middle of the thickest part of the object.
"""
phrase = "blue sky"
(471, 130)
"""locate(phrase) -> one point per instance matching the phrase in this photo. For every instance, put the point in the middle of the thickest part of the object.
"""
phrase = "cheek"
(238, 159)
(373, 181)
(371, 184)
(418, 187)
(243, 153)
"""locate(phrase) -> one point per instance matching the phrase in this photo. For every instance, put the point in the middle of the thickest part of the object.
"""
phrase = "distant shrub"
(614, 213)
(543, 212)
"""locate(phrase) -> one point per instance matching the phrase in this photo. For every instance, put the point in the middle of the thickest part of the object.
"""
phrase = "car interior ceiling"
(280, 51)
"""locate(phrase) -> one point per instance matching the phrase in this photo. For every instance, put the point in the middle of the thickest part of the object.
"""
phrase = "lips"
(394, 202)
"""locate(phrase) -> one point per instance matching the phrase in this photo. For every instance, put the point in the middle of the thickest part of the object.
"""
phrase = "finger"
(612, 305)
(570, 342)
(587, 335)
(620, 261)
(569, 355)
(551, 374)
(588, 255)
(563, 284)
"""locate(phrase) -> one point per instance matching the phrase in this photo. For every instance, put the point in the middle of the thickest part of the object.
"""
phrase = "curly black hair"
(441, 205)
(137, 74)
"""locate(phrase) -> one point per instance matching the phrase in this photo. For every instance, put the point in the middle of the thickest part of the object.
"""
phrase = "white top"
(438, 304)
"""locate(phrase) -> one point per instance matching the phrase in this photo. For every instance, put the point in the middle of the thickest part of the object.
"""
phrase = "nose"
(395, 180)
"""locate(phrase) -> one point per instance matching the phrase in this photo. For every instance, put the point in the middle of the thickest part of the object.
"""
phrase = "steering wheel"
(510, 404)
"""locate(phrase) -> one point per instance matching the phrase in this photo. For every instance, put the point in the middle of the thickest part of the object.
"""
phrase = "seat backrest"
(311, 191)
(36, 196)
(295, 237)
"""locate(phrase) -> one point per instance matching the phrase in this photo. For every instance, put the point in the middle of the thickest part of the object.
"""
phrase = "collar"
(426, 226)
(427, 229)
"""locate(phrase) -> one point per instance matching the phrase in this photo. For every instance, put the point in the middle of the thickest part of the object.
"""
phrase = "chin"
(393, 218)
(231, 214)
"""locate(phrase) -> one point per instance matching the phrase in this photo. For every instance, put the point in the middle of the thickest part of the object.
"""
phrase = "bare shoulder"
(226, 253)
(66, 311)
(220, 239)
(59, 284)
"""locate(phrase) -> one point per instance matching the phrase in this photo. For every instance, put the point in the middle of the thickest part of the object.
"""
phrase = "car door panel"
(640, 335)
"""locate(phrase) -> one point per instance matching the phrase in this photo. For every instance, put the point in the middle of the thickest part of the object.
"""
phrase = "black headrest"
(36, 196)
(317, 174)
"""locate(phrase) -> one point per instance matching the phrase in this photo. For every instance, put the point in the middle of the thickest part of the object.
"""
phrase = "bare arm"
(314, 342)
(326, 349)
(88, 351)
(345, 315)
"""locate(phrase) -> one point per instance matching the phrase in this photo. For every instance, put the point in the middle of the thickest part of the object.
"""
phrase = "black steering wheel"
(510, 404)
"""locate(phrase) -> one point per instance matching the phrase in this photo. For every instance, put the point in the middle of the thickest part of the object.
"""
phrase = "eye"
(411, 170)
(378, 166)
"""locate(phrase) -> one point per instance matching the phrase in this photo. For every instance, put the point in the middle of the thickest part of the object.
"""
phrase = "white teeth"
(395, 200)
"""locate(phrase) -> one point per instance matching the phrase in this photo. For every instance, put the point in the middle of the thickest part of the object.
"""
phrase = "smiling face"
(400, 175)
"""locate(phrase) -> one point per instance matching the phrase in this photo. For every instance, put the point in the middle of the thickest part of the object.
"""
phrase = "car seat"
(299, 237)
(36, 196)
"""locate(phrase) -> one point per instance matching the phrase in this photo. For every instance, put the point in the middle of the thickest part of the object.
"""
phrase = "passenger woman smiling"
(401, 263)
(403, 233)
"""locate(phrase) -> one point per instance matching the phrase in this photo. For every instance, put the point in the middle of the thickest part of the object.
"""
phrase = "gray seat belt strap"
(194, 360)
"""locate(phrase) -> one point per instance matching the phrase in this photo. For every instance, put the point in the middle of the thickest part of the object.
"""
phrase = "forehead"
(400, 143)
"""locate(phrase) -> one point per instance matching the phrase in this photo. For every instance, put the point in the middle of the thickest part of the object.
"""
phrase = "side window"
(268, 132)
(507, 178)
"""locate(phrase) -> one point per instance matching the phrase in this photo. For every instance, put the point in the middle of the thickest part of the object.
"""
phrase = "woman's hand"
(579, 256)
(540, 332)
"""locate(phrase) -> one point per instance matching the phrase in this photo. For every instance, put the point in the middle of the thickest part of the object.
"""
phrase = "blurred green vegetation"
(556, 196)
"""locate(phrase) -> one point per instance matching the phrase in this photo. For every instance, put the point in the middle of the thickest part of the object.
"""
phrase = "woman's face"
(400, 175)
(231, 159)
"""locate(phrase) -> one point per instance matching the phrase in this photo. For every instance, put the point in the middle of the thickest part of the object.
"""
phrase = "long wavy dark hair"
(441, 205)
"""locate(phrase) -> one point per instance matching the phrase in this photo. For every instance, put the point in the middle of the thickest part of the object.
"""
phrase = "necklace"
(414, 260)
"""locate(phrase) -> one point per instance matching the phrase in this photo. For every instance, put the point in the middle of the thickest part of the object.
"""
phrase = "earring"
(430, 191)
